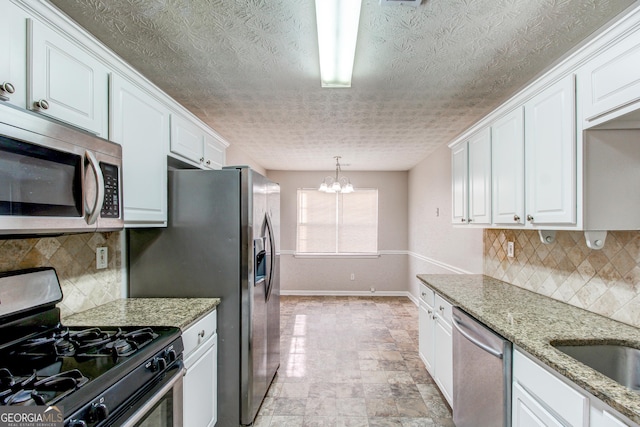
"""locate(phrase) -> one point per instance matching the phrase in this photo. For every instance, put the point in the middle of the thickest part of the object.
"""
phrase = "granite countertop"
(532, 321)
(180, 312)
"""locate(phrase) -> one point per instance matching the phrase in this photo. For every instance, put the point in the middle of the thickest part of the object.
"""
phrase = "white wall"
(387, 273)
(435, 246)
(236, 157)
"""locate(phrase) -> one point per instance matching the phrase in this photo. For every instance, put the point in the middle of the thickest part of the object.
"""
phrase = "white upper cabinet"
(13, 67)
(610, 82)
(191, 142)
(480, 178)
(507, 169)
(65, 81)
(550, 155)
(140, 123)
(459, 178)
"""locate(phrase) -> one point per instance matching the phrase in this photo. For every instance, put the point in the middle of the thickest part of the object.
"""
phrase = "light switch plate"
(510, 250)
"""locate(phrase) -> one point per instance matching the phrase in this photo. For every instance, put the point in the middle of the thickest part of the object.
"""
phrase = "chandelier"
(337, 184)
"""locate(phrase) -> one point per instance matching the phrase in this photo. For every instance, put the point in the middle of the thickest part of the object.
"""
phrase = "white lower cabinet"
(541, 397)
(435, 340)
(200, 379)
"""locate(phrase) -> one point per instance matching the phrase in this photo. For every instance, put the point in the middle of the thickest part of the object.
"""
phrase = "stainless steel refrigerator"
(222, 240)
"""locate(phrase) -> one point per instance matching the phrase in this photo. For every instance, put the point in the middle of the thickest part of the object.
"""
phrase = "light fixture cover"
(337, 22)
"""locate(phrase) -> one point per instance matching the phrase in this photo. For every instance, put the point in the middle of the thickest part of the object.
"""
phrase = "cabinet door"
(426, 336)
(480, 178)
(199, 389)
(13, 67)
(459, 170)
(214, 153)
(140, 123)
(66, 82)
(444, 359)
(187, 139)
(527, 412)
(507, 165)
(610, 82)
(550, 155)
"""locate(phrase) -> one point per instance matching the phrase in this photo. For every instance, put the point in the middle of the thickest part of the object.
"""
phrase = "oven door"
(159, 406)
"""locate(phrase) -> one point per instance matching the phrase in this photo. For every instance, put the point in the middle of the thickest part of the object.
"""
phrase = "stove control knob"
(170, 355)
(98, 412)
(158, 364)
(77, 423)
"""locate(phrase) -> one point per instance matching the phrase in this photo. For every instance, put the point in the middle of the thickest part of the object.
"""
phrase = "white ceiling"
(249, 68)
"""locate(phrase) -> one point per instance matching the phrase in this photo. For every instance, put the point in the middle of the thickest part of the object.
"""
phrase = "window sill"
(345, 255)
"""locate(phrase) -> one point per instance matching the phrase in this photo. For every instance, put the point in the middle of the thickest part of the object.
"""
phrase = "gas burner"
(38, 390)
(55, 344)
(91, 337)
(120, 347)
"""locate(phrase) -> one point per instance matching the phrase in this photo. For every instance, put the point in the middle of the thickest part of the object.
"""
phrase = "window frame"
(362, 255)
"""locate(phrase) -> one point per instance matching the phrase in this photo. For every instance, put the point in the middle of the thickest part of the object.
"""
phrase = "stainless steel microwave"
(56, 179)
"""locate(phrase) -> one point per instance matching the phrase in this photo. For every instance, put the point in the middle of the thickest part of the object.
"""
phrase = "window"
(337, 223)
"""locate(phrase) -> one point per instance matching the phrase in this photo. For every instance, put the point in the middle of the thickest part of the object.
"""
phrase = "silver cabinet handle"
(530, 218)
(43, 104)
(7, 87)
(516, 218)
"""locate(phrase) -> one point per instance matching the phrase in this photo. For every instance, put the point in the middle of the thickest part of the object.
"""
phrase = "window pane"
(316, 221)
(358, 222)
(337, 223)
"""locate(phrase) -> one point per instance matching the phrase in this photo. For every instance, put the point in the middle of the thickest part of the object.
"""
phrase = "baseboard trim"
(294, 292)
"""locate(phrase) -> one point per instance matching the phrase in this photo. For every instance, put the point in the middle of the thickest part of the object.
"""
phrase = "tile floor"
(351, 362)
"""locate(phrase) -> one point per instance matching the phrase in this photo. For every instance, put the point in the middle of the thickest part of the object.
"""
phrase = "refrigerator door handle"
(271, 253)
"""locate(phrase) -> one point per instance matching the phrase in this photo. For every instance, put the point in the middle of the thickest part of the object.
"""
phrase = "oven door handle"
(159, 395)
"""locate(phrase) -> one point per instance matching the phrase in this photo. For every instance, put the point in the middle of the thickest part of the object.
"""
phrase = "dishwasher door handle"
(459, 325)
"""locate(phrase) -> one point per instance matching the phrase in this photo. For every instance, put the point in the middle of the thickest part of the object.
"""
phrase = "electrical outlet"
(102, 257)
(437, 211)
(353, 276)
(373, 290)
(510, 250)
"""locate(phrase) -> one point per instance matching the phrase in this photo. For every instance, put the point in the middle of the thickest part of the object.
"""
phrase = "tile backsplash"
(605, 281)
(74, 258)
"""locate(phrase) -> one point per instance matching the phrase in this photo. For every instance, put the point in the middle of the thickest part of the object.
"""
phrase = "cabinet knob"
(463, 220)
(208, 162)
(516, 218)
(530, 218)
(424, 294)
(441, 308)
(201, 334)
(7, 87)
(201, 159)
(43, 104)
(470, 220)
(429, 311)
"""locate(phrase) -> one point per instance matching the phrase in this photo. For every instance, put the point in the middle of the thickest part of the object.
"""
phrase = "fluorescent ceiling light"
(337, 22)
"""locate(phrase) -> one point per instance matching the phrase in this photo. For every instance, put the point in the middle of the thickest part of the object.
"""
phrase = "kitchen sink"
(618, 362)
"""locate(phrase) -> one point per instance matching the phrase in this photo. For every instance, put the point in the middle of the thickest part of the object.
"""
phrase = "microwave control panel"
(111, 205)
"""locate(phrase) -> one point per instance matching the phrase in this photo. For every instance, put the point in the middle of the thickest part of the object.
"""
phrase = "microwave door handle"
(93, 213)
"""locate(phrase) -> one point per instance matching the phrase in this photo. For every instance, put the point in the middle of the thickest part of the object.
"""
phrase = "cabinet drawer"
(443, 309)
(198, 333)
(426, 295)
(550, 391)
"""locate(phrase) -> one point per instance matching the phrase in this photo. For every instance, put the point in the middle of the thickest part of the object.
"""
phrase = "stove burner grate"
(37, 390)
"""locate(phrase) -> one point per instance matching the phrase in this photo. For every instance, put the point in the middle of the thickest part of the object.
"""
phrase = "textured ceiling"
(249, 68)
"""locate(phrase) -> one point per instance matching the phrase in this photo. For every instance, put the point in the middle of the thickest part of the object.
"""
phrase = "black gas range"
(99, 376)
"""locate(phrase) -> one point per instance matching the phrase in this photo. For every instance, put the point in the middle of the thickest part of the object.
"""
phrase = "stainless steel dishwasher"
(481, 374)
